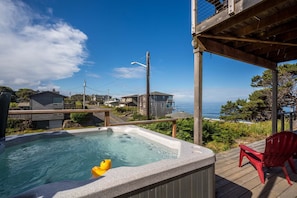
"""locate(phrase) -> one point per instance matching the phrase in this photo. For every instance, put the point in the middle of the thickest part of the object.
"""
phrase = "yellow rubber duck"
(97, 171)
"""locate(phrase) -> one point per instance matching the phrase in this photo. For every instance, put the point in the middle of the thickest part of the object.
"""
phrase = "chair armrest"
(250, 150)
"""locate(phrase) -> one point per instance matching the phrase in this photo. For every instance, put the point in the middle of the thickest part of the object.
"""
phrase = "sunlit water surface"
(31, 164)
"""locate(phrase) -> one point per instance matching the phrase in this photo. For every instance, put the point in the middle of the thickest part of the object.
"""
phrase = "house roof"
(131, 96)
(47, 92)
(259, 32)
(156, 93)
(111, 102)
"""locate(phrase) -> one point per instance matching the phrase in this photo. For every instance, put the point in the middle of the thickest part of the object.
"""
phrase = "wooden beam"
(290, 12)
(280, 30)
(279, 33)
(51, 111)
(228, 38)
(224, 50)
(285, 54)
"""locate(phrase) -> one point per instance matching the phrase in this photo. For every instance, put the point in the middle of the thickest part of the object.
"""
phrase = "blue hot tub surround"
(191, 175)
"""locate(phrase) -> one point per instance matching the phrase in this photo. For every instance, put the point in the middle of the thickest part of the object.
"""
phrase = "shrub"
(120, 109)
(78, 117)
(137, 116)
(78, 105)
(17, 125)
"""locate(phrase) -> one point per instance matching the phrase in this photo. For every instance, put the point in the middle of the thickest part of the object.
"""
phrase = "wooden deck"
(233, 181)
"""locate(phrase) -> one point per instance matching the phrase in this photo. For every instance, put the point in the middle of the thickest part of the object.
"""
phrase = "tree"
(24, 94)
(287, 87)
(234, 111)
(258, 106)
(9, 90)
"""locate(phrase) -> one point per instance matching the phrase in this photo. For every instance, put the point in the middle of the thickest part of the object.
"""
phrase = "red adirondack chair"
(279, 149)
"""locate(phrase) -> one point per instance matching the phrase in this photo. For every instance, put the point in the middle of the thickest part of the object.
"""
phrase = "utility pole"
(148, 85)
(147, 66)
(84, 96)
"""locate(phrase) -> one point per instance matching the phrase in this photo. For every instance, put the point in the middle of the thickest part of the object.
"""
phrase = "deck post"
(198, 51)
(274, 100)
(198, 54)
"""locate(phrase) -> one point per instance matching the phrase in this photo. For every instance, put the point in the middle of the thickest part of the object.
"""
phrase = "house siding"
(160, 104)
(47, 100)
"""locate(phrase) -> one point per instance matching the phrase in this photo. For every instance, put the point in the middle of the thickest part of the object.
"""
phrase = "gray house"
(160, 104)
(47, 100)
(129, 101)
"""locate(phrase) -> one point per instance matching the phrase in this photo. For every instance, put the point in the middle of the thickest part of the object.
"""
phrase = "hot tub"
(190, 175)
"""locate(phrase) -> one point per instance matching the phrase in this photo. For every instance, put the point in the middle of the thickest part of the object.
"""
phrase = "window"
(58, 100)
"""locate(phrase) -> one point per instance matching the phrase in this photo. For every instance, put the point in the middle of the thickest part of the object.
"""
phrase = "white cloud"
(34, 53)
(48, 87)
(93, 75)
(129, 72)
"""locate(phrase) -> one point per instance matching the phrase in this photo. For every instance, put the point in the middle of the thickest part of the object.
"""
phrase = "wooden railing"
(106, 116)
(52, 111)
(291, 116)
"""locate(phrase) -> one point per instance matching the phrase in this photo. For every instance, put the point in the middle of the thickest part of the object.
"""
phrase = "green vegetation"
(78, 105)
(79, 117)
(19, 126)
(217, 135)
(129, 113)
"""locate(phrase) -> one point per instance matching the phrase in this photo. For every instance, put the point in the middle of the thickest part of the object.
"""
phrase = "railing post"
(107, 119)
(174, 128)
(282, 121)
(291, 121)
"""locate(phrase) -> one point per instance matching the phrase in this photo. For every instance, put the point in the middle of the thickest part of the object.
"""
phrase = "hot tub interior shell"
(191, 175)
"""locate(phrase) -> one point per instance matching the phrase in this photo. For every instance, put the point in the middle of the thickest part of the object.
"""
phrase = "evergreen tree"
(258, 106)
(24, 94)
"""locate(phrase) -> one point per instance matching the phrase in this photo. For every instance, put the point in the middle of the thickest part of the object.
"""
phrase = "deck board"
(233, 181)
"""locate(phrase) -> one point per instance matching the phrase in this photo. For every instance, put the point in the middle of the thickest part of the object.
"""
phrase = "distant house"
(24, 105)
(129, 101)
(160, 104)
(101, 98)
(112, 103)
(47, 100)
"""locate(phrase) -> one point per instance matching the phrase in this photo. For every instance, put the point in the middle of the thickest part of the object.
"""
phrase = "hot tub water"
(71, 157)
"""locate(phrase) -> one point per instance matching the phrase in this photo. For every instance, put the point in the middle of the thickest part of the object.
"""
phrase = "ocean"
(209, 109)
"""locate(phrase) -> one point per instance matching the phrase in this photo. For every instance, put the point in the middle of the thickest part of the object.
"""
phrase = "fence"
(291, 116)
(106, 116)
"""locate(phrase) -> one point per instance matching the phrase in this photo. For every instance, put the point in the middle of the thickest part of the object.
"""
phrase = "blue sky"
(60, 43)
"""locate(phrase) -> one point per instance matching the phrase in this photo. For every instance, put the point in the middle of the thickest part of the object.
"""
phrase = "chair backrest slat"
(279, 147)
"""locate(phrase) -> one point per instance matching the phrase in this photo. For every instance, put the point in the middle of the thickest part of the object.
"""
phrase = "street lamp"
(147, 66)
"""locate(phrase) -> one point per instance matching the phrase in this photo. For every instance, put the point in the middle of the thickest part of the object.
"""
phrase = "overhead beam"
(268, 21)
(224, 50)
(229, 38)
(280, 30)
(283, 55)
(223, 20)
